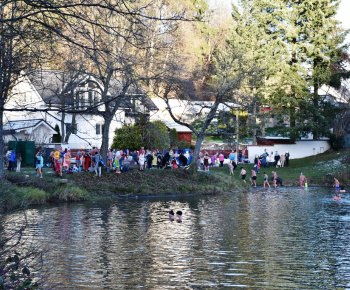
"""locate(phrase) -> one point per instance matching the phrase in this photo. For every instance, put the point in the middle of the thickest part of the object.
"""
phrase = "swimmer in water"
(266, 180)
(171, 215)
(179, 216)
(336, 183)
(342, 189)
(302, 179)
(337, 196)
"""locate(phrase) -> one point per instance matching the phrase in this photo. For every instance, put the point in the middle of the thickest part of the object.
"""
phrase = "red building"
(184, 133)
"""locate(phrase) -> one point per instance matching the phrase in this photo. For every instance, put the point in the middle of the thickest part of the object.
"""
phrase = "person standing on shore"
(287, 158)
(39, 164)
(18, 161)
(221, 159)
(98, 165)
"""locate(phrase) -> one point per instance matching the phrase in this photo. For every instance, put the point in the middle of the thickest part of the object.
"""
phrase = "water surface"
(286, 239)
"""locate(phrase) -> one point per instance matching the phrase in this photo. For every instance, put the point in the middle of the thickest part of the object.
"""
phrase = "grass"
(320, 170)
(21, 189)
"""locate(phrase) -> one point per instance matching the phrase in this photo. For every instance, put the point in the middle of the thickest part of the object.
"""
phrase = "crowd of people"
(117, 160)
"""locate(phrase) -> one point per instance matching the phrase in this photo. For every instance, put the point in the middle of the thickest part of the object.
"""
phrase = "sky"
(343, 15)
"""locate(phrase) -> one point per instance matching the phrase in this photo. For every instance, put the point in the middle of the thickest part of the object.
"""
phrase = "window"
(70, 128)
(99, 129)
(91, 98)
(128, 113)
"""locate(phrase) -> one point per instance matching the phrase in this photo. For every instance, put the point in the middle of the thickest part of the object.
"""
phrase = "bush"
(337, 143)
(13, 197)
(71, 193)
(184, 145)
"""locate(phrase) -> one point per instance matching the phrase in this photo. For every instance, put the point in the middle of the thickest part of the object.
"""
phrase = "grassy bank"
(23, 189)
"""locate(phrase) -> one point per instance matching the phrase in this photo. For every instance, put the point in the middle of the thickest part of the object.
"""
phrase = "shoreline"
(21, 189)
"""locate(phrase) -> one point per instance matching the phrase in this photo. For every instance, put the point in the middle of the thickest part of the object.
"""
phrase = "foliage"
(184, 145)
(19, 197)
(156, 135)
(303, 51)
(57, 137)
(128, 137)
(198, 124)
(336, 142)
(71, 193)
(143, 134)
(174, 138)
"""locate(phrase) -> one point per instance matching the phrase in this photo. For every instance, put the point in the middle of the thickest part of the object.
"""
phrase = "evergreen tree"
(308, 35)
(56, 138)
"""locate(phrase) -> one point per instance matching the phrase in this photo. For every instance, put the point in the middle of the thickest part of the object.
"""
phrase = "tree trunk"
(315, 103)
(254, 120)
(73, 126)
(63, 131)
(105, 136)
(2, 144)
(197, 149)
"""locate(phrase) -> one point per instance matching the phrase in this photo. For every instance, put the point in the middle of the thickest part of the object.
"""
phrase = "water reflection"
(289, 238)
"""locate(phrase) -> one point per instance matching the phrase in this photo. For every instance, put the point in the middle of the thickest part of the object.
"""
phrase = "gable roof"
(179, 128)
(12, 126)
(53, 84)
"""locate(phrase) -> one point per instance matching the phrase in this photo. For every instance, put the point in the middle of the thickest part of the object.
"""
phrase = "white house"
(28, 130)
(46, 92)
(186, 110)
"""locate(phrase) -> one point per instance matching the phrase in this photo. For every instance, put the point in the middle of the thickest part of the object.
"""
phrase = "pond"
(289, 238)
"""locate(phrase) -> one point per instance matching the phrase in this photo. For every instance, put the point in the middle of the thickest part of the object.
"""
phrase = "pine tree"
(308, 35)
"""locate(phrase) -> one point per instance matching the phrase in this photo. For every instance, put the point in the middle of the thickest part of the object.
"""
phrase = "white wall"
(299, 150)
(25, 95)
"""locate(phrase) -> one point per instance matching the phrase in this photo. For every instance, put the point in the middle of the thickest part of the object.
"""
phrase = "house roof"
(13, 126)
(179, 128)
(53, 84)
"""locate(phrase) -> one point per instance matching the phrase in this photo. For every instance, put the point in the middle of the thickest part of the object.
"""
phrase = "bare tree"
(31, 29)
(233, 72)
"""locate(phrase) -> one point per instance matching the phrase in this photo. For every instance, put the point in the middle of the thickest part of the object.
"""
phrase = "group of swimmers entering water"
(303, 183)
(276, 180)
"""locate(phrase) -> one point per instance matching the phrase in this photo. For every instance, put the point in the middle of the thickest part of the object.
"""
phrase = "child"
(173, 162)
(266, 180)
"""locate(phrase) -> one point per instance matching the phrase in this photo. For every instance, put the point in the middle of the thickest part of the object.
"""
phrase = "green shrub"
(71, 193)
(337, 143)
(13, 197)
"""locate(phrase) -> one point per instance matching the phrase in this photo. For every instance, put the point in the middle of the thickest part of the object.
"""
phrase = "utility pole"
(237, 134)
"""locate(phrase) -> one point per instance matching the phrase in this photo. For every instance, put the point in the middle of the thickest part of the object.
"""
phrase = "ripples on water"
(286, 239)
